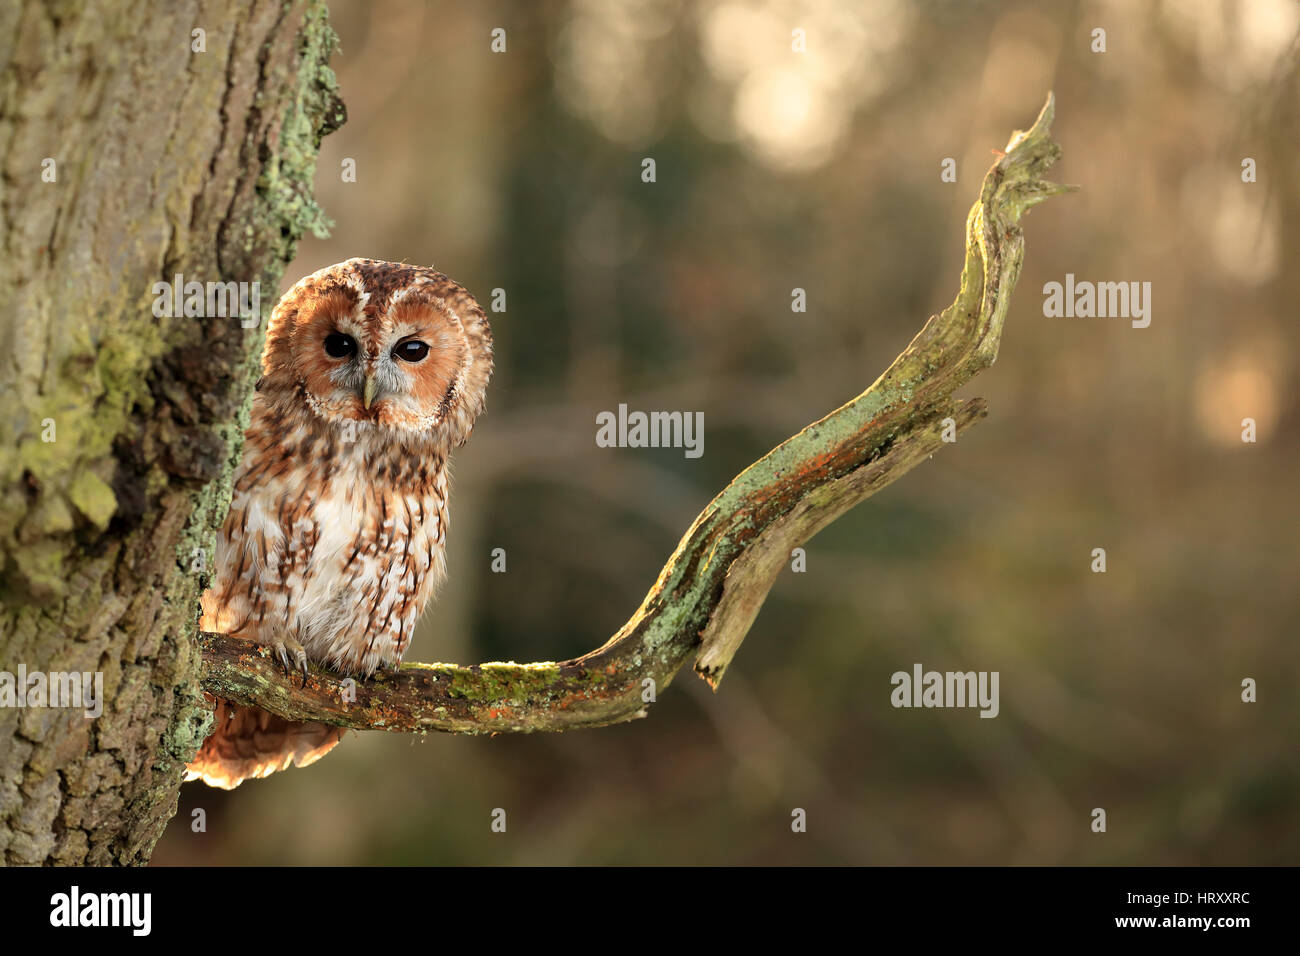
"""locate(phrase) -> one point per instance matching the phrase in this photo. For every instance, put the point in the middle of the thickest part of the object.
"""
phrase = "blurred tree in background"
(820, 170)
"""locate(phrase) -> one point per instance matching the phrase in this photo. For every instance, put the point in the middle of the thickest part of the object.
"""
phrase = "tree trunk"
(134, 149)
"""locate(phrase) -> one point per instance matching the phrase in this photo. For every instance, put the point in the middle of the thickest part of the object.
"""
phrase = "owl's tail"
(251, 742)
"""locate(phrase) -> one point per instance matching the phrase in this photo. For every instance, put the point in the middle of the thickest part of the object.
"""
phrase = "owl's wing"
(249, 742)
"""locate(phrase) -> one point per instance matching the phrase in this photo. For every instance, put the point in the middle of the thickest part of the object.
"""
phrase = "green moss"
(513, 684)
(40, 564)
(53, 516)
(91, 496)
(313, 111)
(186, 734)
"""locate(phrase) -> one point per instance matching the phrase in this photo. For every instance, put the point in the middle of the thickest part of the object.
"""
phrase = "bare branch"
(713, 586)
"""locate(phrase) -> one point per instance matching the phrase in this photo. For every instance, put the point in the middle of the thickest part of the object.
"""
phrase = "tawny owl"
(372, 373)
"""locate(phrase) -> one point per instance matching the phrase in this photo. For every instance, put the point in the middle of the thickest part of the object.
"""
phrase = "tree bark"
(126, 427)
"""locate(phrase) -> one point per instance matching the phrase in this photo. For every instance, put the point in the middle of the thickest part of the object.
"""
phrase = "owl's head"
(381, 344)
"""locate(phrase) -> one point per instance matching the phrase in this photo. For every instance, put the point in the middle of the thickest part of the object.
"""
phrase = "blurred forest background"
(821, 171)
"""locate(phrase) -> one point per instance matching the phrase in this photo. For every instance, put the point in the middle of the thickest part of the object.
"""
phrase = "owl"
(372, 373)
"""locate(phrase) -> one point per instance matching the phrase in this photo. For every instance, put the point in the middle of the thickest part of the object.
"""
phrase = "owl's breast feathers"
(341, 553)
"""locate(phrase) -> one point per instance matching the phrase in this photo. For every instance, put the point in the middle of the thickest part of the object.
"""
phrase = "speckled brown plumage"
(336, 534)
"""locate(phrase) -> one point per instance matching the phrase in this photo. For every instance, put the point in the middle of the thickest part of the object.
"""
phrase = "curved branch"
(711, 589)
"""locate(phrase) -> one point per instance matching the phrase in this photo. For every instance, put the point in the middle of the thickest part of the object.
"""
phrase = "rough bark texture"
(168, 161)
(713, 586)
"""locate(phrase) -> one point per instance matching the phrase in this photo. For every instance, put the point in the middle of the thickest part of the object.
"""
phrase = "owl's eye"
(413, 351)
(338, 345)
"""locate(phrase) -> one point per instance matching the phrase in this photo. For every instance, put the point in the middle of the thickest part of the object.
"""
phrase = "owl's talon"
(286, 647)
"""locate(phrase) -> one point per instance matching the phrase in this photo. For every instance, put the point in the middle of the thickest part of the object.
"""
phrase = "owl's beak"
(368, 393)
